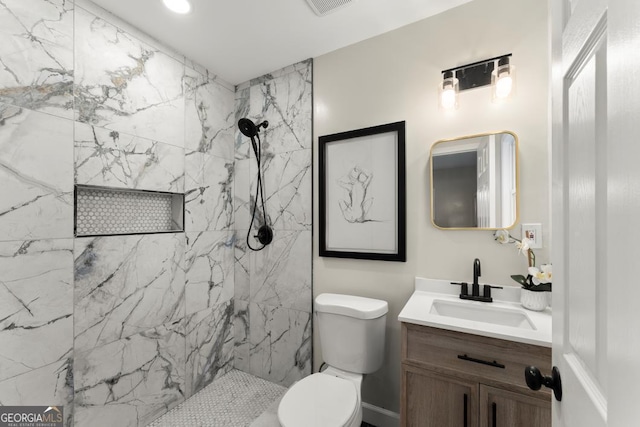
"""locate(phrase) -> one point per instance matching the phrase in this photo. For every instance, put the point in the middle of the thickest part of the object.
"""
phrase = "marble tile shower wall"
(273, 300)
(117, 329)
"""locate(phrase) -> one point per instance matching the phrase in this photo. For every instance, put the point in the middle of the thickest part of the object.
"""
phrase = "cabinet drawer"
(485, 358)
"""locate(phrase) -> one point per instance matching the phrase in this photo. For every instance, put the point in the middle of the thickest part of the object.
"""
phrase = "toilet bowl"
(328, 398)
(352, 334)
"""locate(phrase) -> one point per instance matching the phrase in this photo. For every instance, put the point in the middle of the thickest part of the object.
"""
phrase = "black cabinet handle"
(482, 362)
(466, 410)
(494, 410)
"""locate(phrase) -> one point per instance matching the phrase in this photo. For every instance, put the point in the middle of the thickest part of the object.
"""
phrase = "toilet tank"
(352, 331)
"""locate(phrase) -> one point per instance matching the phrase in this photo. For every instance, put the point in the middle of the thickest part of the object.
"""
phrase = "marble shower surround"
(147, 296)
(125, 285)
(208, 195)
(210, 125)
(138, 90)
(37, 55)
(145, 117)
(151, 327)
(131, 381)
(209, 269)
(36, 211)
(36, 300)
(36, 169)
(273, 299)
(110, 158)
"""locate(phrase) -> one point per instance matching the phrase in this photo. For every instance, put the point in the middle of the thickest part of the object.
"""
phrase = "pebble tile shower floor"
(236, 399)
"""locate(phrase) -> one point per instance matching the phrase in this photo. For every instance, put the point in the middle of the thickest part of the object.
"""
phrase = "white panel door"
(579, 212)
(596, 196)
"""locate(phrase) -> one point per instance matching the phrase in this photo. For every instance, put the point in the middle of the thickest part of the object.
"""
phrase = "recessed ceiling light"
(178, 6)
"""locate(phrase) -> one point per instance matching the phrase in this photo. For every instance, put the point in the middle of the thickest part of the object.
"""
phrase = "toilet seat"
(319, 400)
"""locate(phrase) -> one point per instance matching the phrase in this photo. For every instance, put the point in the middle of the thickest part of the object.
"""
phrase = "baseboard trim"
(379, 417)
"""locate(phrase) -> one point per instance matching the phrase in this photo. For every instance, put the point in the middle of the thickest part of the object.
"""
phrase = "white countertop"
(417, 311)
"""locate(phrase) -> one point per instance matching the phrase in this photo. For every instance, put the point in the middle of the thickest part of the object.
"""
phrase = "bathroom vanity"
(463, 362)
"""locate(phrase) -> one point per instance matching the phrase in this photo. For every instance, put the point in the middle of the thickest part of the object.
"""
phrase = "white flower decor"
(538, 279)
(541, 275)
(524, 246)
(502, 236)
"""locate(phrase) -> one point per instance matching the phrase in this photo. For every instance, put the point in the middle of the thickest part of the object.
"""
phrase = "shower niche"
(104, 211)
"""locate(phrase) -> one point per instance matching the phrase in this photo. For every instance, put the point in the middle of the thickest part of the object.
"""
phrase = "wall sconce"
(502, 79)
(475, 75)
(449, 91)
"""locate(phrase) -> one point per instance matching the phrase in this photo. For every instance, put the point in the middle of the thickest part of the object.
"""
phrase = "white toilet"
(352, 334)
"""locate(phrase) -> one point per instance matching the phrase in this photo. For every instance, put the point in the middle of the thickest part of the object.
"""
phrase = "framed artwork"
(363, 193)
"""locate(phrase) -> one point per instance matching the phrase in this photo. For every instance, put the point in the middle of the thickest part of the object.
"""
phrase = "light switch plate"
(533, 232)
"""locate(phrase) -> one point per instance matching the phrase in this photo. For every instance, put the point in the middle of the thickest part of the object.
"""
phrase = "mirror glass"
(474, 182)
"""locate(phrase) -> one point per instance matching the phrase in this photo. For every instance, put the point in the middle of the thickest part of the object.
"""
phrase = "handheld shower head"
(248, 128)
(265, 233)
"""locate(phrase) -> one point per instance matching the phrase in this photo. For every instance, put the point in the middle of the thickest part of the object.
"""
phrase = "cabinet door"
(502, 408)
(433, 400)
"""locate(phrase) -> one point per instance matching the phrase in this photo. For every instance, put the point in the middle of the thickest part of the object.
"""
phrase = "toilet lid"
(318, 400)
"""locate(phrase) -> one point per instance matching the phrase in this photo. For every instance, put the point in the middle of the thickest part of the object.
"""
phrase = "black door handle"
(535, 380)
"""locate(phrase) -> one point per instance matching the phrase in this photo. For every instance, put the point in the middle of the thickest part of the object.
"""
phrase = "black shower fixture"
(265, 234)
(248, 128)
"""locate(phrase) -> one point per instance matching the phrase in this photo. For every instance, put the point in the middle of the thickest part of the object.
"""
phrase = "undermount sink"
(437, 304)
(481, 313)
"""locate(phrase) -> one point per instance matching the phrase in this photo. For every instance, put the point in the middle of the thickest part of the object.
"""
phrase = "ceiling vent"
(324, 7)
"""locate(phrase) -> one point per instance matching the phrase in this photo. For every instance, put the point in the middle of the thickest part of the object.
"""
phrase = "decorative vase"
(535, 301)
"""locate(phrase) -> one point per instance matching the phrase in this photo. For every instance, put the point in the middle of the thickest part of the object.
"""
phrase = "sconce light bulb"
(504, 85)
(448, 99)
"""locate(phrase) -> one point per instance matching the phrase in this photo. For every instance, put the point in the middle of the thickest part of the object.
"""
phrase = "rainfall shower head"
(248, 128)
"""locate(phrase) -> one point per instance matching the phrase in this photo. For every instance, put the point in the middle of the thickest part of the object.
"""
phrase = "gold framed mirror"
(474, 182)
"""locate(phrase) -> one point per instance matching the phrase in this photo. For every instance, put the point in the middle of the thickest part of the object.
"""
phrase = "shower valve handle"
(265, 235)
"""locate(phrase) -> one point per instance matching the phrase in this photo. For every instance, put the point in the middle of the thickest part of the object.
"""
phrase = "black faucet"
(475, 286)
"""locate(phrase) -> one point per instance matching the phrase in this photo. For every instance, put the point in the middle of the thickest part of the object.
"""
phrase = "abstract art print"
(362, 193)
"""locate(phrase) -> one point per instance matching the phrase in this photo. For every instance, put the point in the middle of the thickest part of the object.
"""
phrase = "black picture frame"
(362, 193)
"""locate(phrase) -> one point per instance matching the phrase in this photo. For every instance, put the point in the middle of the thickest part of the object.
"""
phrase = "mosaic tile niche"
(103, 212)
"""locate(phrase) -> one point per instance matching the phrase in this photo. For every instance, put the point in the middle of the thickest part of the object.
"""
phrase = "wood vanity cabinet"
(454, 379)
